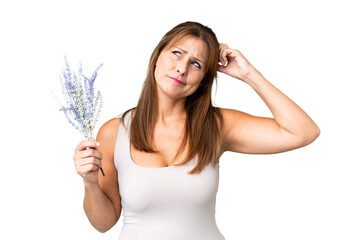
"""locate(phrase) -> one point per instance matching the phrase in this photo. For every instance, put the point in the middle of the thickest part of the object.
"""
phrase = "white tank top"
(164, 203)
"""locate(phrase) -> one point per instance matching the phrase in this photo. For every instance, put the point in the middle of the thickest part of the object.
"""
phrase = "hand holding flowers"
(83, 106)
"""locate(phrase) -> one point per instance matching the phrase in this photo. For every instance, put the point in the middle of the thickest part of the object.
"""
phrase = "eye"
(197, 64)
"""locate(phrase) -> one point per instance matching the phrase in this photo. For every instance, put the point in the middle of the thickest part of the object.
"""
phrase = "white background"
(308, 49)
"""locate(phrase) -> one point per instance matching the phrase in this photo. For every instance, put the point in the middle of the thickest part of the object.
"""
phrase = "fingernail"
(97, 144)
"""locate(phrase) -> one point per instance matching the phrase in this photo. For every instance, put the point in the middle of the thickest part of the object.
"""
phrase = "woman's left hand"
(237, 65)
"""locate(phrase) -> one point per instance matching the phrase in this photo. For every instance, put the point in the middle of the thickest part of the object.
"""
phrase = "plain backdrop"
(308, 49)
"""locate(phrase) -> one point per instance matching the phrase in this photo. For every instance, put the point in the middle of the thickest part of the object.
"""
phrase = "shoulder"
(107, 136)
(235, 126)
(231, 112)
(231, 117)
(109, 129)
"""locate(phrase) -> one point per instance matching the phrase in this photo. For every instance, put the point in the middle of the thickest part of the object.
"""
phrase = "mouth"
(176, 80)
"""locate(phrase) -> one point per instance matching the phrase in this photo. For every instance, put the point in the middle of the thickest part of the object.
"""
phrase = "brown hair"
(202, 131)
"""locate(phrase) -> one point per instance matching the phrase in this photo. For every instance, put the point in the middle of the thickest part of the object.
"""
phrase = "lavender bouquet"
(83, 106)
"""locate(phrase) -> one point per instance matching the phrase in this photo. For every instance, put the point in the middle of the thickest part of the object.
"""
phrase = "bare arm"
(102, 203)
(290, 128)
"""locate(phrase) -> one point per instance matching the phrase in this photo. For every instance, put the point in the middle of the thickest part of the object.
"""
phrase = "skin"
(187, 67)
(290, 127)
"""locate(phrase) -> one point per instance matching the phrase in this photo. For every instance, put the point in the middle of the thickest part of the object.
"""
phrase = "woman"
(161, 158)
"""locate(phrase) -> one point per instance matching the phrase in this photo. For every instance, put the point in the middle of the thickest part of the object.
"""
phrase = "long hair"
(203, 120)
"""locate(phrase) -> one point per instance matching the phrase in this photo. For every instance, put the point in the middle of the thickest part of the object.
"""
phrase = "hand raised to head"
(233, 63)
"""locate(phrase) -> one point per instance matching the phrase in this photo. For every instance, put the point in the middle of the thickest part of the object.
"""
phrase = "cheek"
(199, 77)
(163, 61)
(160, 65)
(196, 84)
(158, 68)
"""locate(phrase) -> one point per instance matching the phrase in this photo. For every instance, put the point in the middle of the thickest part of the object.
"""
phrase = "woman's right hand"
(88, 161)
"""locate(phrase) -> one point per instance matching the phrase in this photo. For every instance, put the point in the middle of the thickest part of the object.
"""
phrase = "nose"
(181, 69)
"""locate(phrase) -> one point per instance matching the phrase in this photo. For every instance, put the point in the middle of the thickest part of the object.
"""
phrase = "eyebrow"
(194, 57)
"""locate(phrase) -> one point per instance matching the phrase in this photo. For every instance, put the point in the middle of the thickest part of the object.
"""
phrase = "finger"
(222, 54)
(86, 144)
(230, 54)
(222, 69)
(88, 161)
(91, 153)
(223, 59)
(87, 153)
(87, 169)
(223, 45)
(221, 49)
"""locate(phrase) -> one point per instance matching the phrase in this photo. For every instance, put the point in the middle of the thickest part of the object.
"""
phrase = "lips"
(176, 80)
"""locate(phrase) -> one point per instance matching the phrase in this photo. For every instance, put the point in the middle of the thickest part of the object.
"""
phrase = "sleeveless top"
(164, 203)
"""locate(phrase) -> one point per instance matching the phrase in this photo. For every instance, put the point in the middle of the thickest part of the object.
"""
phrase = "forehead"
(192, 45)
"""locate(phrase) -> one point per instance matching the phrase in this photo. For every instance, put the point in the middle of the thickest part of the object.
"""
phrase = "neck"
(170, 110)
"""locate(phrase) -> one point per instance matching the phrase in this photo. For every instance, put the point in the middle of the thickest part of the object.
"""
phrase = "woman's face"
(180, 69)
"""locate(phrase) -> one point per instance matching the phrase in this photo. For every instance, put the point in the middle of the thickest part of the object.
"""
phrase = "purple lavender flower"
(82, 107)
(67, 118)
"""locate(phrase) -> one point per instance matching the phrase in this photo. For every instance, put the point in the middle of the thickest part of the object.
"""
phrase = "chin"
(173, 94)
